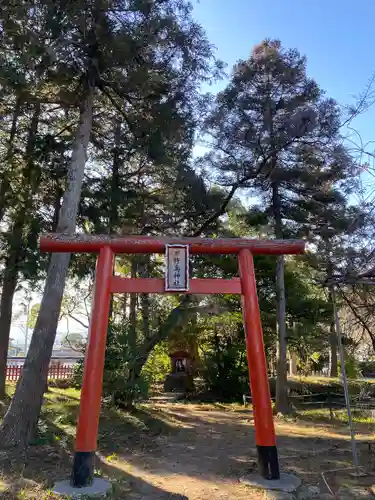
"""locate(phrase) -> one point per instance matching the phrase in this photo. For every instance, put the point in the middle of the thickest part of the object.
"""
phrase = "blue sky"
(337, 36)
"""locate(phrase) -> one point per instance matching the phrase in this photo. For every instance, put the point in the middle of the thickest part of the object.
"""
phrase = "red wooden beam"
(91, 394)
(154, 285)
(90, 243)
(260, 392)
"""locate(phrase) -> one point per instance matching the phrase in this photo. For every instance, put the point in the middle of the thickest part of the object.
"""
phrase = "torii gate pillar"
(257, 365)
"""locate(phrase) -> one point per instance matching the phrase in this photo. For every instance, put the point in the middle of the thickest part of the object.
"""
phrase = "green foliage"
(314, 362)
(34, 311)
(224, 365)
(352, 367)
(77, 375)
(267, 126)
(118, 384)
(158, 364)
(225, 370)
(367, 366)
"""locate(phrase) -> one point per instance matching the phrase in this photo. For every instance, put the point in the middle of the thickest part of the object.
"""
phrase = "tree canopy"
(102, 108)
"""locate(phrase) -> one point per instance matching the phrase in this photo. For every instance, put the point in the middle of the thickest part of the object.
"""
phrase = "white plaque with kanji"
(177, 268)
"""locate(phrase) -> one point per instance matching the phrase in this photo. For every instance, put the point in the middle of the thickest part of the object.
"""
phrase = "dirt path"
(190, 452)
(202, 458)
(208, 450)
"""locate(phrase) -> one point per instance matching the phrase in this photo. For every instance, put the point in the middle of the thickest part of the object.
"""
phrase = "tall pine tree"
(273, 132)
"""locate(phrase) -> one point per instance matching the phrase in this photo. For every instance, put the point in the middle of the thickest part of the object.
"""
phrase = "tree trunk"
(10, 277)
(125, 312)
(333, 353)
(24, 410)
(132, 332)
(293, 363)
(115, 180)
(5, 184)
(332, 331)
(133, 312)
(16, 249)
(144, 271)
(56, 208)
(282, 403)
(292, 355)
(177, 318)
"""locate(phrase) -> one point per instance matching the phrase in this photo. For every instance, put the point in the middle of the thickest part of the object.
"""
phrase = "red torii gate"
(106, 284)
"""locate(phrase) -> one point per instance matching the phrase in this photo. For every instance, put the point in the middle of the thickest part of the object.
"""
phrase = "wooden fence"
(331, 400)
(56, 372)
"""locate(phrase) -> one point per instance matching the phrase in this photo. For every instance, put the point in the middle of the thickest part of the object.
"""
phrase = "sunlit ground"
(196, 450)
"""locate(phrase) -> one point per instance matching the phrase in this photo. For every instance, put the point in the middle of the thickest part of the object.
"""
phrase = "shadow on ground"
(217, 447)
(179, 451)
(49, 457)
(45, 464)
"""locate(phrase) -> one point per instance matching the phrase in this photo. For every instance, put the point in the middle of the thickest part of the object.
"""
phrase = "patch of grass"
(326, 384)
(50, 453)
(339, 416)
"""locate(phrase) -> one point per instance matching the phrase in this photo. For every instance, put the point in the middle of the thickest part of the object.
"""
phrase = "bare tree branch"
(358, 317)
